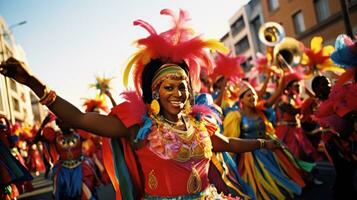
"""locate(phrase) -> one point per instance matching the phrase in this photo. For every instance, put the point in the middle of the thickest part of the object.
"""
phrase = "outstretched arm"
(107, 126)
(237, 145)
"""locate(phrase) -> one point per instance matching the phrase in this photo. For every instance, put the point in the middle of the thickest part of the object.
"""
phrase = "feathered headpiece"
(317, 58)
(228, 66)
(91, 104)
(261, 63)
(174, 45)
(102, 84)
(345, 55)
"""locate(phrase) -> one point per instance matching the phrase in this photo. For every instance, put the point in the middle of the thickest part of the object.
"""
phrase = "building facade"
(304, 19)
(242, 38)
(17, 102)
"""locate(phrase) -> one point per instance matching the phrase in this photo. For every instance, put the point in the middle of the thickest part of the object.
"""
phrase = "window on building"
(237, 26)
(299, 23)
(273, 5)
(16, 104)
(13, 85)
(322, 9)
(242, 45)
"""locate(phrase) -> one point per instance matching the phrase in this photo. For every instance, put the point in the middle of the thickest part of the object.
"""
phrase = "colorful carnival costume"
(11, 170)
(73, 174)
(167, 162)
(174, 164)
(288, 127)
(338, 112)
(271, 174)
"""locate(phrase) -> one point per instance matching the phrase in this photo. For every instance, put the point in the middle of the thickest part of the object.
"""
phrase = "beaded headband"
(168, 71)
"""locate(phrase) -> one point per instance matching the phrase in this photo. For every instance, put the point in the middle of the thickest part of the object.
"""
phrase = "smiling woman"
(161, 153)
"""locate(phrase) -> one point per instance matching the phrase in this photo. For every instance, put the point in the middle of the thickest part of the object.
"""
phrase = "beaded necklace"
(168, 142)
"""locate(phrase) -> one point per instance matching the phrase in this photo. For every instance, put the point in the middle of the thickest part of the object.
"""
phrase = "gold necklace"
(178, 123)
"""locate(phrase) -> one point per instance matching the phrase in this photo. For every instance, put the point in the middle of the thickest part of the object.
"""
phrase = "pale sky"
(68, 42)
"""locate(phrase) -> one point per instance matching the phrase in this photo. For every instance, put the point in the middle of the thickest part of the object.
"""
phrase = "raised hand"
(15, 69)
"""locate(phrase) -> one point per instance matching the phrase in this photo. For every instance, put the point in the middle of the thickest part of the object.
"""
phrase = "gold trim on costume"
(194, 183)
(152, 181)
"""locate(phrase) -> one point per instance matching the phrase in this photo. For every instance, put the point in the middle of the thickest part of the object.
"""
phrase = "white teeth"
(176, 103)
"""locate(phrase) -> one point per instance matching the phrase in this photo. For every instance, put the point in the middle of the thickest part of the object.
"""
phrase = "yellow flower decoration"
(317, 58)
(102, 84)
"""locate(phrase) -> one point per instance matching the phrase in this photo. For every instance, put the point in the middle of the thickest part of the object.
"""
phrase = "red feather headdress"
(174, 45)
(228, 66)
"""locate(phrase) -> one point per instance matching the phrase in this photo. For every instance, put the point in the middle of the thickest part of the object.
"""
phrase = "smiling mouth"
(176, 103)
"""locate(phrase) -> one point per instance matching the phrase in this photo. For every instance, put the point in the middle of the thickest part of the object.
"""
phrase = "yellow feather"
(128, 67)
(216, 45)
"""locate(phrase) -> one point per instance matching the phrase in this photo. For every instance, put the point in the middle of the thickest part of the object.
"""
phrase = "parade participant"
(338, 112)
(321, 87)
(172, 146)
(271, 174)
(288, 112)
(12, 172)
(74, 175)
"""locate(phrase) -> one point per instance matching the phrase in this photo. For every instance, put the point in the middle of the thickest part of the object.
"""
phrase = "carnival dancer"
(271, 174)
(338, 112)
(12, 172)
(74, 175)
(174, 144)
(288, 112)
(318, 136)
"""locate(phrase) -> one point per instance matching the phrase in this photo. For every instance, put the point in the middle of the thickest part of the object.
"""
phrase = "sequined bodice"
(176, 162)
(170, 143)
(252, 128)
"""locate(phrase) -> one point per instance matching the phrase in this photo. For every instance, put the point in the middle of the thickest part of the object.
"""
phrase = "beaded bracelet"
(262, 143)
(49, 99)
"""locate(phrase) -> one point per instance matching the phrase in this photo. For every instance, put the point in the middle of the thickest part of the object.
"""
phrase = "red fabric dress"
(288, 129)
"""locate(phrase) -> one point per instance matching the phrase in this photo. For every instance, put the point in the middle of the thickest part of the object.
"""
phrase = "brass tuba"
(271, 33)
(285, 51)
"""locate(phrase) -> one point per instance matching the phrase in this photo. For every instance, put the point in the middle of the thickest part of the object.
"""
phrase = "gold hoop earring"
(155, 105)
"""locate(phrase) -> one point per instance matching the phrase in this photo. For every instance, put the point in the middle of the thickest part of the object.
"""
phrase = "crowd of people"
(195, 126)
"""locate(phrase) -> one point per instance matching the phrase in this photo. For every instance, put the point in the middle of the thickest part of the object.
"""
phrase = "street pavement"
(43, 187)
